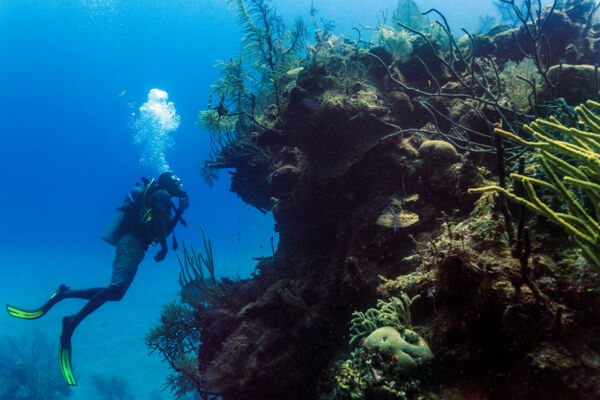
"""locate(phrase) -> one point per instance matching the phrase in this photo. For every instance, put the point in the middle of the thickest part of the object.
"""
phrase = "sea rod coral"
(572, 170)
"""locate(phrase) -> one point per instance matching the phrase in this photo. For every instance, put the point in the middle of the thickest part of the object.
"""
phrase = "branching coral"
(266, 41)
(533, 20)
(225, 121)
(195, 287)
(517, 89)
(572, 170)
(394, 313)
(176, 337)
(387, 354)
(217, 124)
(407, 12)
(28, 370)
(464, 74)
(250, 83)
(363, 323)
(399, 43)
(268, 48)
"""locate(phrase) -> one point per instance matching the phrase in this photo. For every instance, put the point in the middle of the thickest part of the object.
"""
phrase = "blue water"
(73, 75)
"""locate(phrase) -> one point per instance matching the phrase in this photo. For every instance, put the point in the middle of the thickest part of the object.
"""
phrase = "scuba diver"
(143, 219)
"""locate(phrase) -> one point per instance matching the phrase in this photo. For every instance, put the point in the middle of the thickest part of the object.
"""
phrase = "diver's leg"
(63, 292)
(110, 293)
(70, 323)
(87, 294)
(129, 253)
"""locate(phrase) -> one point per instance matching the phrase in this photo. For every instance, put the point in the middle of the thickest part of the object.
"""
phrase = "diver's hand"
(183, 204)
(160, 255)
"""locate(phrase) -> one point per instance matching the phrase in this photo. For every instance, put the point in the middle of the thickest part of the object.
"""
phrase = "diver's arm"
(163, 250)
(167, 226)
(183, 204)
(161, 237)
(161, 205)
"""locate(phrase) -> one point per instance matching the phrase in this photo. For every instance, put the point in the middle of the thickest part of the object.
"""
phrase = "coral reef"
(398, 43)
(29, 371)
(394, 314)
(518, 89)
(490, 332)
(387, 357)
(365, 158)
(582, 176)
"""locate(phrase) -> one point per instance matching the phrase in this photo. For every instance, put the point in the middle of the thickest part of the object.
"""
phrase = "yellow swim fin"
(64, 353)
(64, 360)
(24, 314)
(38, 312)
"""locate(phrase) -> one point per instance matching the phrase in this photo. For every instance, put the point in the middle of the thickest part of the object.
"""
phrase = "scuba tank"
(113, 233)
(114, 229)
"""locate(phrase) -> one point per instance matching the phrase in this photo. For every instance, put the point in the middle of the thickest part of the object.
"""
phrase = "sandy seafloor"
(111, 340)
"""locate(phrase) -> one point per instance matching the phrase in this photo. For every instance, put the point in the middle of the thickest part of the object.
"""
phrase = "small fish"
(429, 82)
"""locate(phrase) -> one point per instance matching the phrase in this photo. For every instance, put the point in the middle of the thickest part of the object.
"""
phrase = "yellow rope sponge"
(578, 171)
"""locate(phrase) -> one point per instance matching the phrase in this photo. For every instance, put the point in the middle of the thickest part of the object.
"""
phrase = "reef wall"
(364, 151)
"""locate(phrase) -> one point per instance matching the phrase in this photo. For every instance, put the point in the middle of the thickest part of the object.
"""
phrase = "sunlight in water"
(102, 10)
(156, 122)
(107, 4)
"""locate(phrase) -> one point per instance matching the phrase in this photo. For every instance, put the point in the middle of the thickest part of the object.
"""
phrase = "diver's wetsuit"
(130, 250)
(137, 233)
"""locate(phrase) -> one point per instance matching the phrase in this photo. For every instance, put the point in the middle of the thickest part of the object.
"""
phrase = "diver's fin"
(24, 314)
(64, 354)
(64, 360)
(38, 312)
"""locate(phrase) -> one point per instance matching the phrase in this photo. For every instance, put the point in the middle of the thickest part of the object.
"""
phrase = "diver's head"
(171, 183)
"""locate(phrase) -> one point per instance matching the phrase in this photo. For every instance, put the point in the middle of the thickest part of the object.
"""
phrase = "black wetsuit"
(130, 249)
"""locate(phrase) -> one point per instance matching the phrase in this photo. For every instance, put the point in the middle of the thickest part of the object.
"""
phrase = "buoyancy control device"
(133, 203)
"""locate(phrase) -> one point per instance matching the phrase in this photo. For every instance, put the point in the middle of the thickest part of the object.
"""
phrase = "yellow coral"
(580, 171)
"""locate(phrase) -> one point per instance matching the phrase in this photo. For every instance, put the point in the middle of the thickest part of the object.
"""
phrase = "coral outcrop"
(365, 157)
(406, 348)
